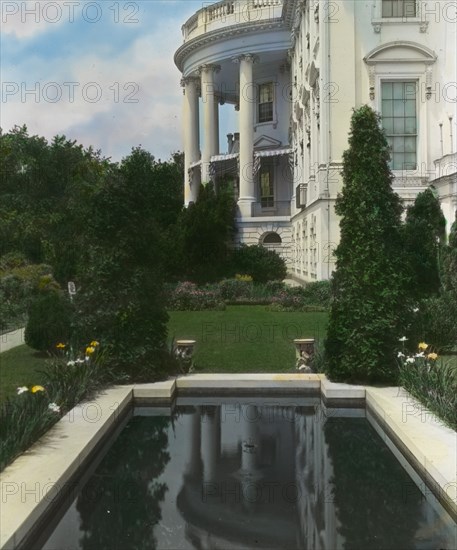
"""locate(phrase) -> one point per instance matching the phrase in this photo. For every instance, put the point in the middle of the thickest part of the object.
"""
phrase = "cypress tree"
(425, 234)
(369, 284)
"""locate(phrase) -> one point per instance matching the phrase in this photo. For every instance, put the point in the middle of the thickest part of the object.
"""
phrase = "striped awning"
(269, 153)
(221, 158)
(273, 152)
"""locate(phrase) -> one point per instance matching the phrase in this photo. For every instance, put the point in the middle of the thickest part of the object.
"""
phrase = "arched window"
(272, 238)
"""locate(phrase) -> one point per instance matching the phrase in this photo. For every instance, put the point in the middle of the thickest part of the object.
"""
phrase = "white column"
(210, 115)
(211, 443)
(193, 462)
(248, 100)
(216, 127)
(191, 136)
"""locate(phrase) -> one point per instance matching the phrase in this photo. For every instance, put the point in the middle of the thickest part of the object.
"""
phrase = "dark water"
(245, 475)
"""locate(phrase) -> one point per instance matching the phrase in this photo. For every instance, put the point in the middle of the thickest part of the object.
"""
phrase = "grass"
(245, 338)
(19, 367)
(239, 339)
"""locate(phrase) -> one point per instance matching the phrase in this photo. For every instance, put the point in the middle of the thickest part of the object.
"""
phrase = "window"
(272, 238)
(399, 120)
(266, 102)
(399, 8)
(266, 188)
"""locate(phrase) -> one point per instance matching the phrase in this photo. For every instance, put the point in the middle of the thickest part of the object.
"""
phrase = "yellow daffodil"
(432, 356)
(36, 389)
(90, 350)
(423, 346)
(94, 343)
(60, 346)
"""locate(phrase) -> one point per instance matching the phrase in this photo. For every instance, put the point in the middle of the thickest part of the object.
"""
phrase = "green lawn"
(19, 367)
(246, 338)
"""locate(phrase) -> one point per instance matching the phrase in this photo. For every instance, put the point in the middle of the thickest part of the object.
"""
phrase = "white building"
(294, 70)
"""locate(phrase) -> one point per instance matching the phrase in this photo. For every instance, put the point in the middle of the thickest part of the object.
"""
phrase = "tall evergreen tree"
(425, 234)
(369, 284)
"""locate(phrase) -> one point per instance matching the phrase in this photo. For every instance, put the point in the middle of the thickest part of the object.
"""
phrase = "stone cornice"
(220, 34)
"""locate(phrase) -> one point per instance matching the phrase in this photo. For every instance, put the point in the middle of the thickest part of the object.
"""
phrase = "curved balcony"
(230, 12)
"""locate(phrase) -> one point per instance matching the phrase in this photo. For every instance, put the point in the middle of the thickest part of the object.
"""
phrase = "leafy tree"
(425, 234)
(121, 302)
(450, 262)
(204, 235)
(369, 284)
(44, 195)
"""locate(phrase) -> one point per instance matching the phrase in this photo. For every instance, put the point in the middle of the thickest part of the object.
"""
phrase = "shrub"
(49, 322)
(317, 293)
(231, 289)
(260, 263)
(435, 321)
(274, 286)
(187, 297)
(20, 283)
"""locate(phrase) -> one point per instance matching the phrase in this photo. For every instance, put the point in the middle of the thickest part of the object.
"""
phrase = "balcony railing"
(269, 208)
(230, 12)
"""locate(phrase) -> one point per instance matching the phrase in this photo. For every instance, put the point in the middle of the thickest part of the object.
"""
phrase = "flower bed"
(242, 291)
(67, 380)
(431, 380)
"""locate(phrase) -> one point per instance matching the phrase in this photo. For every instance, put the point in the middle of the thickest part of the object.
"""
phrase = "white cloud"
(95, 96)
(29, 18)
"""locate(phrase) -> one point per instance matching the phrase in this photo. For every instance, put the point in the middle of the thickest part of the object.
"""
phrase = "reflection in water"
(252, 476)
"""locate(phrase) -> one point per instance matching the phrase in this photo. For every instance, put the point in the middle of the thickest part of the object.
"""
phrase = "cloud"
(29, 18)
(110, 101)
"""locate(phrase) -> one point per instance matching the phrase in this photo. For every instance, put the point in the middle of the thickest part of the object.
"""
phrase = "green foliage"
(231, 289)
(260, 263)
(45, 192)
(369, 286)
(433, 383)
(449, 272)
(121, 296)
(425, 234)
(203, 236)
(24, 418)
(49, 321)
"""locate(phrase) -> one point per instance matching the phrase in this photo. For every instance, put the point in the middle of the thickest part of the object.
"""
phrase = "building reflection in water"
(252, 474)
(263, 476)
(263, 484)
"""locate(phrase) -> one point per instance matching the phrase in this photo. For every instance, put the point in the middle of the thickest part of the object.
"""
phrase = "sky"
(99, 72)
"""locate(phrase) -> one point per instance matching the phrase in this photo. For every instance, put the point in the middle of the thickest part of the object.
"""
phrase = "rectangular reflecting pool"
(243, 474)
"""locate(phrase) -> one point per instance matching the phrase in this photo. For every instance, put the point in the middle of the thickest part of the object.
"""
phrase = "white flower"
(71, 363)
(420, 354)
(402, 339)
(87, 358)
(54, 407)
(79, 361)
(400, 354)
(22, 389)
(415, 310)
(410, 360)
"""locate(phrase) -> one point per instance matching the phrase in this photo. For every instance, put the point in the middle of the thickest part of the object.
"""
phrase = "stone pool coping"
(30, 485)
